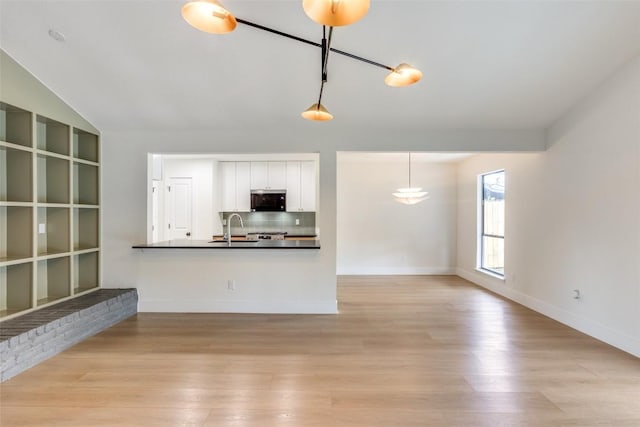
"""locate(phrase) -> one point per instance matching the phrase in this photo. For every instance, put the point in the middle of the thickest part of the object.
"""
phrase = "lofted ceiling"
(136, 64)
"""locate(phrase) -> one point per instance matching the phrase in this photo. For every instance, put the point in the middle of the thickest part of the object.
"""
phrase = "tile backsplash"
(271, 222)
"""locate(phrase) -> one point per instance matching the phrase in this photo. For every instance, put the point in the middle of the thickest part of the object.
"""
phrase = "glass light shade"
(410, 196)
(335, 13)
(317, 113)
(209, 16)
(403, 75)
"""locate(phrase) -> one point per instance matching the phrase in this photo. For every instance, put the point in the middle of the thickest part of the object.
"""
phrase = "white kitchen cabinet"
(235, 186)
(308, 186)
(268, 175)
(293, 186)
(301, 186)
(243, 186)
(228, 186)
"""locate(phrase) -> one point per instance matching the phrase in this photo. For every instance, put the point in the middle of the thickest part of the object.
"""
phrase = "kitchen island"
(235, 244)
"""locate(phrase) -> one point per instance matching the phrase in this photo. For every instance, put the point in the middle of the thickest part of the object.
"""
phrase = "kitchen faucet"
(229, 226)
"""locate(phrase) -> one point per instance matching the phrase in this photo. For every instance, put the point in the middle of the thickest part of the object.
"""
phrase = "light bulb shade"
(410, 196)
(209, 16)
(317, 113)
(403, 75)
(335, 13)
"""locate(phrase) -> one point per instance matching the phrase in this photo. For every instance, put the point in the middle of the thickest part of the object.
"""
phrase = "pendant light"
(317, 112)
(209, 16)
(410, 195)
(335, 13)
(403, 75)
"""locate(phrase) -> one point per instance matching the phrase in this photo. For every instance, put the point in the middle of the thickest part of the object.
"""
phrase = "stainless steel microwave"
(268, 200)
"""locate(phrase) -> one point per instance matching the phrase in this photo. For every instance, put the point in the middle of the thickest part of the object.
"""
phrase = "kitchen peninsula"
(235, 244)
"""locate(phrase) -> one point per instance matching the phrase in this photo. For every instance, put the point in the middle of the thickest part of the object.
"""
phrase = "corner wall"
(572, 217)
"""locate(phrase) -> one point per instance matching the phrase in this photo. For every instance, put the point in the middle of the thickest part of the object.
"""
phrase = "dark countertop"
(207, 244)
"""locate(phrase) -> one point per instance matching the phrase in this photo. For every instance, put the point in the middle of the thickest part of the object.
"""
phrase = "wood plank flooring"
(404, 351)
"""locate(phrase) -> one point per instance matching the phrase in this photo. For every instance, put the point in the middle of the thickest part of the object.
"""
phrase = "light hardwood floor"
(404, 351)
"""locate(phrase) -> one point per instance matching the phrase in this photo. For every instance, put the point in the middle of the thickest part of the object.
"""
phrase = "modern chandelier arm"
(359, 58)
(312, 43)
(280, 33)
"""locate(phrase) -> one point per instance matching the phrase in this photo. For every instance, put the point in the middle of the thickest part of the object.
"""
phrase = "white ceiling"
(134, 64)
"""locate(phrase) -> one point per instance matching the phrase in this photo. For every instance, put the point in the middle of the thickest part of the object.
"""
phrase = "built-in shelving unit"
(52, 136)
(49, 211)
(15, 125)
(85, 184)
(86, 271)
(54, 279)
(85, 229)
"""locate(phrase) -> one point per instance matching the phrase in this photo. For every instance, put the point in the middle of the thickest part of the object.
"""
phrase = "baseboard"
(237, 306)
(587, 326)
(395, 271)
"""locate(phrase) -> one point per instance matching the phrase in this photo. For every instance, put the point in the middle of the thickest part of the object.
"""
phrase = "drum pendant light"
(209, 16)
(335, 13)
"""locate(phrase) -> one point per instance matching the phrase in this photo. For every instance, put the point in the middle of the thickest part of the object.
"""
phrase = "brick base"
(28, 340)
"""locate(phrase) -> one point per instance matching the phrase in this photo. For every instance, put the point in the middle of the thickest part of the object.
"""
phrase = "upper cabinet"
(268, 175)
(301, 186)
(235, 180)
(298, 178)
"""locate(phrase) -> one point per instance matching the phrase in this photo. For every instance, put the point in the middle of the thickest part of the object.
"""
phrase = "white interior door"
(179, 203)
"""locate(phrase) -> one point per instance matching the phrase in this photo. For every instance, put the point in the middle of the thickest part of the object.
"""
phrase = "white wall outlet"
(297, 221)
(231, 285)
(42, 228)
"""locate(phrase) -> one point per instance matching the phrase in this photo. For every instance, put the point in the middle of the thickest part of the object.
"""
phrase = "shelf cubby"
(85, 145)
(16, 284)
(15, 175)
(85, 228)
(53, 231)
(15, 232)
(52, 136)
(15, 125)
(85, 272)
(54, 279)
(53, 180)
(85, 184)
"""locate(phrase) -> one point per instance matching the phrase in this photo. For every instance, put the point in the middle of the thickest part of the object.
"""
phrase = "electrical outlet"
(42, 228)
(231, 285)
(297, 221)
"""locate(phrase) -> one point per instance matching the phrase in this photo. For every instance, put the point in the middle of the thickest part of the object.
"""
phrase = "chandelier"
(212, 17)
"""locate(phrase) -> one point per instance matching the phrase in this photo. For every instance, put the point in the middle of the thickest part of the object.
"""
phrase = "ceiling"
(134, 64)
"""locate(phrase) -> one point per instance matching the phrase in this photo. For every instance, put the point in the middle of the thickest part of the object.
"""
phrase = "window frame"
(481, 227)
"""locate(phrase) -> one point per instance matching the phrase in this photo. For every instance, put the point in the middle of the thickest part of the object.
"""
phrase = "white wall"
(572, 217)
(300, 281)
(376, 234)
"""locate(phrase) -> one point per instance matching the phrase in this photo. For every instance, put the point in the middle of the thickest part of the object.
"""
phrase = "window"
(491, 219)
